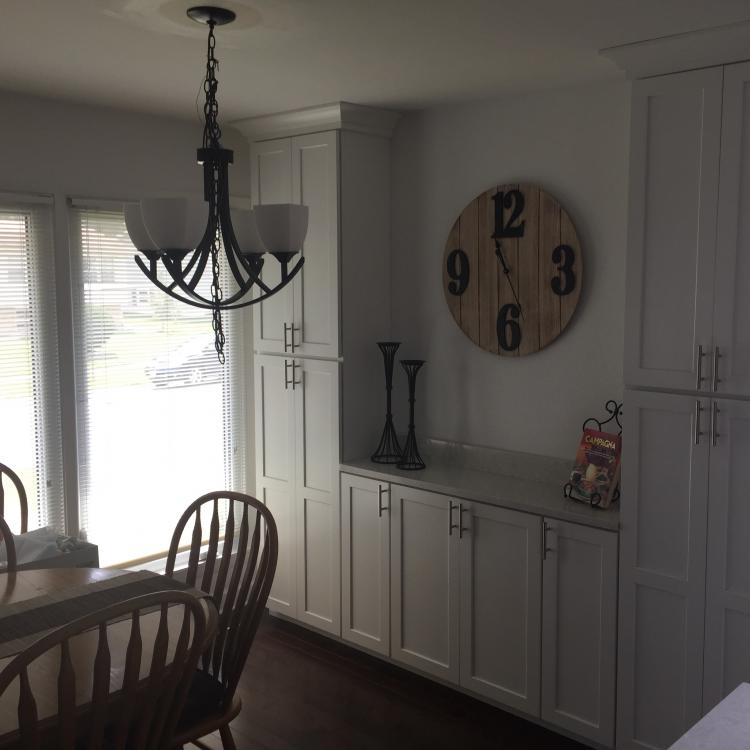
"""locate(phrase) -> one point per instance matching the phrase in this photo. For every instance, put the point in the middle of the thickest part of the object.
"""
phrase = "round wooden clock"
(512, 270)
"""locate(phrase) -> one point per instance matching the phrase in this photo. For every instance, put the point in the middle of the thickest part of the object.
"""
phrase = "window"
(160, 421)
(29, 393)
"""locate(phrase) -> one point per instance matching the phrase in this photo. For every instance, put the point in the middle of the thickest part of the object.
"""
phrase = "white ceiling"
(285, 54)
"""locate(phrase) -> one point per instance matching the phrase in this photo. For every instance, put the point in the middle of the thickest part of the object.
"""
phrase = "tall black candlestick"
(389, 450)
(410, 459)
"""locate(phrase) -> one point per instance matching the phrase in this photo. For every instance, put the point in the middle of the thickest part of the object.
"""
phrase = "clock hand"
(506, 271)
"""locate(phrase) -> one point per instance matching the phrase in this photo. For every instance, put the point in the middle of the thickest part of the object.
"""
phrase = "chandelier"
(186, 238)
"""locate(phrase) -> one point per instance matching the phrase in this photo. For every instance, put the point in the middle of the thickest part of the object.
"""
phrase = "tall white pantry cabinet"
(317, 368)
(685, 562)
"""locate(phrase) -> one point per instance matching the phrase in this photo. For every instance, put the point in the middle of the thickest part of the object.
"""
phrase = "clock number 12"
(513, 199)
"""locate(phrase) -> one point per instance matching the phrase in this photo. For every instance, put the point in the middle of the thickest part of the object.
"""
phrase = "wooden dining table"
(34, 602)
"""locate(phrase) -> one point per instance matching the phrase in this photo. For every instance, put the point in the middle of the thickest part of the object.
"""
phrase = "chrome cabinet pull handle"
(699, 378)
(381, 508)
(287, 382)
(286, 338)
(461, 527)
(295, 382)
(545, 549)
(715, 434)
(294, 329)
(698, 432)
(716, 379)
(451, 525)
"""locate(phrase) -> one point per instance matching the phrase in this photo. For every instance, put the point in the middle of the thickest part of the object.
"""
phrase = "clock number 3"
(508, 329)
(564, 256)
(457, 266)
(513, 199)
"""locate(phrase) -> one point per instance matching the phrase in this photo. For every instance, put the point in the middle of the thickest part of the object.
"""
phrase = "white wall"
(73, 150)
(574, 143)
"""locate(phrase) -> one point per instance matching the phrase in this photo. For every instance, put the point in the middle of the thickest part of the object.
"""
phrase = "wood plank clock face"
(512, 270)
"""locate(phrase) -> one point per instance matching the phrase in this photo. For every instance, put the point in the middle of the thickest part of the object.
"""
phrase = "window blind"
(160, 421)
(30, 438)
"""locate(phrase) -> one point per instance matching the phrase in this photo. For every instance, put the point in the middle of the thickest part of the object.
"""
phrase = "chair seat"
(205, 697)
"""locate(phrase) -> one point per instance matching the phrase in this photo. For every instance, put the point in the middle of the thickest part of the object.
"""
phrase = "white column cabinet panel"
(315, 181)
(425, 581)
(274, 447)
(727, 653)
(271, 174)
(316, 440)
(732, 311)
(501, 597)
(579, 631)
(674, 177)
(662, 567)
(365, 558)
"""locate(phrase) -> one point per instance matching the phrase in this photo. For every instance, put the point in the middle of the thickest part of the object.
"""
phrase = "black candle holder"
(389, 449)
(410, 459)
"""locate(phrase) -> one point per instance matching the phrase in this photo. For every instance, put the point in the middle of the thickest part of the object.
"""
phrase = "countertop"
(518, 493)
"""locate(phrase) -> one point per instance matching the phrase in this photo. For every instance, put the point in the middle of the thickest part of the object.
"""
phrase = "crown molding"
(337, 116)
(704, 48)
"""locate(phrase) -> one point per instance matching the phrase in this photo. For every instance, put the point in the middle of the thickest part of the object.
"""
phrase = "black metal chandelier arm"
(201, 255)
(159, 284)
(175, 272)
(229, 303)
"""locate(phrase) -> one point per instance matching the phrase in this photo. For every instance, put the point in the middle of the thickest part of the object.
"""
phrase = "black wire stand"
(389, 449)
(411, 460)
(614, 412)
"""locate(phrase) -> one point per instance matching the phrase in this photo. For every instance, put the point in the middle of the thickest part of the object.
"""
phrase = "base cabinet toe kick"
(515, 608)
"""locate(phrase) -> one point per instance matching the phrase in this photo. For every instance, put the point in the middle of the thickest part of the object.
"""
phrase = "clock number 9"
(564, 256)
(508, 329)
(457, 266)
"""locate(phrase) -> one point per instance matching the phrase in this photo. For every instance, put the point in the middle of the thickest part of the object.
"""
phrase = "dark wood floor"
(301, 690)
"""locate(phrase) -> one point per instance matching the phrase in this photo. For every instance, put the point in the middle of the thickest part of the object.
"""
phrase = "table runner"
(24, 622)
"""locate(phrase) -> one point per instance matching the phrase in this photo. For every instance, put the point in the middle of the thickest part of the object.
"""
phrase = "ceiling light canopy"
(189, 237)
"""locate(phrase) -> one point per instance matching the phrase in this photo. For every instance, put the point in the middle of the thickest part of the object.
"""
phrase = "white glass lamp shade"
(175, 223)
(282, 226)
(136, 228)
(246, 232)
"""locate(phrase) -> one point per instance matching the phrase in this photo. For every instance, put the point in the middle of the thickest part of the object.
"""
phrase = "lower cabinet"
(579, 628)
(513, 607)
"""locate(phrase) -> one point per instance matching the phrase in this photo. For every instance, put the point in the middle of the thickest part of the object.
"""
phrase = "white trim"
(335, 116)
(46, 199)
(703, 48)
(104, 204)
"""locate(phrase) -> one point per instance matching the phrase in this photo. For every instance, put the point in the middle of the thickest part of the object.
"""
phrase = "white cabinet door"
(727, 654)
(501, 597)
(732, 313)
(365, 562)
(316, 413)
(424, 581)
(271, 175)
(674, 178)
(315, 183)
(274, 450)
(662, 567)
(579, 630)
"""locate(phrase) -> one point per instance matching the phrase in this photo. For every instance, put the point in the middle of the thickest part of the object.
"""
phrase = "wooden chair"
(239, 580)
(16, 480)
(141, 712)
(10, 548)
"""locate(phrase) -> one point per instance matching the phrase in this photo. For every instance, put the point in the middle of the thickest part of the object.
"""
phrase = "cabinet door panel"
(501, 596)
(274, 448)
(365, 550)
(662, 568)
(727, 655)
(424, 583)
(316, 289)
(732, 314)
(271, 174)
(316, 411)
(579, 632)
(676, 130)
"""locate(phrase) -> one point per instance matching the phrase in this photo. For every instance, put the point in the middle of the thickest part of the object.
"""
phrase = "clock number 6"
(564, 256)
(508, 329)
(457, 266)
